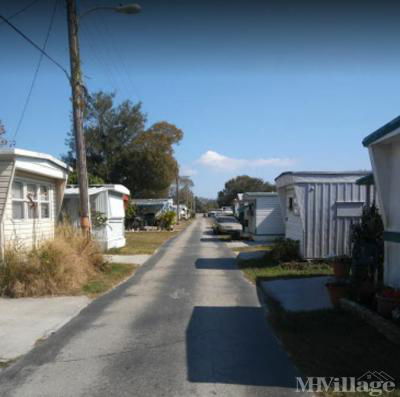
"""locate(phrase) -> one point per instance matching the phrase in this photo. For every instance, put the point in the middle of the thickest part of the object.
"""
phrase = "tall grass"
(57, 267)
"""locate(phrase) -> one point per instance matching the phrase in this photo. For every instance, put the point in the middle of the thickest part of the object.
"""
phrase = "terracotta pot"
(341, 270)
(385, 305)
(337, 291)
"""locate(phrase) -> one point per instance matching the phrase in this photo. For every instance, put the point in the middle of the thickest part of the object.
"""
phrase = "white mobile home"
(150, 209)
(31, 193)
(237, 202)
(106, 202)
(384, 150)
(262, 216)
(319, 208)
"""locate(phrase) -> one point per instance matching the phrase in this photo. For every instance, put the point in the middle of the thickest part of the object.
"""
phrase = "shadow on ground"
(216, 264)
(233, 345)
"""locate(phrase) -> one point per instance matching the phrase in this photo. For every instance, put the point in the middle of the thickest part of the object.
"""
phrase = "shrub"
(56, 267)
(285, 250)
(130, 216)
(166, 220)
(368, 246)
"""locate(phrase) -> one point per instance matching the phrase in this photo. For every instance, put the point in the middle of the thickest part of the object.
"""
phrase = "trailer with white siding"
(384, 151)
(31, 193)
(107, 201)
(319, 208)
(262, 217)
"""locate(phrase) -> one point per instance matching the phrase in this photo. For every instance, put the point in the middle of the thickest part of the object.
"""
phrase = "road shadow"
(216, 264)
(232, 345)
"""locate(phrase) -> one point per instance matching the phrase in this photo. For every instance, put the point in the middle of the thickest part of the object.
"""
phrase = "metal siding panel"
(312, 220)
(325, 220)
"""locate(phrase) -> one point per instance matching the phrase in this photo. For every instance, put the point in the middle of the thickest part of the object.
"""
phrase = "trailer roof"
(381, 132)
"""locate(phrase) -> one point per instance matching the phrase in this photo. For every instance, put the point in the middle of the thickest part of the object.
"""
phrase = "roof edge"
(38, 155)
(381, 132)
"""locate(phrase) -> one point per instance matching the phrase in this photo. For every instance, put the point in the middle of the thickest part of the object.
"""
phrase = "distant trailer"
(107, 202)
(262, 218)
(320, 207)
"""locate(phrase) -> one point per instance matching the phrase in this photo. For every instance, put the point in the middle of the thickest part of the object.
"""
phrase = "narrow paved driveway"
(187, 324)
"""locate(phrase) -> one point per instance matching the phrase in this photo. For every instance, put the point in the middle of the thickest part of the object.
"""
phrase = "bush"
(166, 220)
(56, 267)
(285, 250)
(368, 246)
(130, 216)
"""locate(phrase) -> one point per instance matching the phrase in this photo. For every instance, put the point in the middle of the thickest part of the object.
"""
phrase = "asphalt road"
(187, 324)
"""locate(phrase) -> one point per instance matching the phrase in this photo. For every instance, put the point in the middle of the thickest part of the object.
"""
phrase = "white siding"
(264, 217)
(314, 222)
(327, 234)
(110, 204)
(269, 216)
(385, 158)
(6, 171)
(28, 233)
(117, 209)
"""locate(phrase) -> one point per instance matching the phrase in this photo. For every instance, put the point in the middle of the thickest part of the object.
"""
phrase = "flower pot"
(386, 305)
(341, 270)
(337, 291)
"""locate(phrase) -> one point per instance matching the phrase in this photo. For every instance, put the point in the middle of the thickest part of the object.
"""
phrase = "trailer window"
(291, 204)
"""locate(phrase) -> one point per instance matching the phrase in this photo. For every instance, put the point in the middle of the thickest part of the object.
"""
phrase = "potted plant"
(341, 266)
(338, 289)
(367, 254)
(388, 299)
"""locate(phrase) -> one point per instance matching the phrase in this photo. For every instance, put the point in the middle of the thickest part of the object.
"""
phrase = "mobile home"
(149, 209)
(384, 151)
(107, 204)
(31, 193)
(262, 216)
(319, 208)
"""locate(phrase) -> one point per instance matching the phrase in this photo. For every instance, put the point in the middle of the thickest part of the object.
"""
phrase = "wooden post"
(178, 215)
(77, 111)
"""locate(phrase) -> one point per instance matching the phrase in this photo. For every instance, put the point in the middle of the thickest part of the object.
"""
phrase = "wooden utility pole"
(178, 215)
(78, 103)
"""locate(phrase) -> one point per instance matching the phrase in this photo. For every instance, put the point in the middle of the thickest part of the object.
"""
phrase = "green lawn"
(265, 268)
(138, 243)
(143, 242)
(252, 248)
(103, 281)
(333, 343)
(327, 343)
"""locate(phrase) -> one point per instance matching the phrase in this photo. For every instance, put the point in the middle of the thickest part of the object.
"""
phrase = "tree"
(93, 180)
(121, 150)
(205, 204)
(186, 195)
(241, 184)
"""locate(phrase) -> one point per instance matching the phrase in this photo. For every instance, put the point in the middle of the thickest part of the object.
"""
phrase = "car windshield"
(226, 219)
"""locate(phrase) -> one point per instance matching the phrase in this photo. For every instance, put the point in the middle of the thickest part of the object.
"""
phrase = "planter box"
(386, 305)
(385, 327)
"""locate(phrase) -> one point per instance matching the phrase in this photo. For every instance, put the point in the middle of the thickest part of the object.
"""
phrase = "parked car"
(227, 225)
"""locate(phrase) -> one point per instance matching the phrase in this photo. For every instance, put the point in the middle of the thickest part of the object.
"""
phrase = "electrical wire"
(35, 75)
(30, 41)
(21, 11)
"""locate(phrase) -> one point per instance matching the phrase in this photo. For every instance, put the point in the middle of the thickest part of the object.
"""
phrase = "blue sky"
(258, 87)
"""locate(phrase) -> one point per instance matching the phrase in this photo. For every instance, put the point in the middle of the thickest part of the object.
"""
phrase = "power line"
(34, 45)
(27, 100)
(21, 11)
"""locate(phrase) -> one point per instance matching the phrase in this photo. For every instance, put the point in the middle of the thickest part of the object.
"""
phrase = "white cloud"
(187, 171)
(218, 161)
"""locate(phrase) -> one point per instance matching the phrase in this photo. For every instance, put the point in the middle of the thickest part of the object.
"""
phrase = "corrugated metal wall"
(326, 234)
